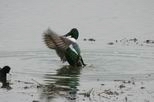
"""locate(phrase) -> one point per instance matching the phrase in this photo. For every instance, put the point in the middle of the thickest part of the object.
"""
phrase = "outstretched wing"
(59, 43)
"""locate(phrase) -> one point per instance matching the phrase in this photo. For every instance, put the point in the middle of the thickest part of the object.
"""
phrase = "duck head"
(73, 33)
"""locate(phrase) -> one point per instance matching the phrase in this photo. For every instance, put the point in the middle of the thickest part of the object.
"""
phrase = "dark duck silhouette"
(3, 76)
(65, 46)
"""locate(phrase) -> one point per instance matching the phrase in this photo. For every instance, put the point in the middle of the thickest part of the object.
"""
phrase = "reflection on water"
(63, 84)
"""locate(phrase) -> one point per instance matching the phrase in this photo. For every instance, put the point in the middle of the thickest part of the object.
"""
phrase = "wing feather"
(59, 43)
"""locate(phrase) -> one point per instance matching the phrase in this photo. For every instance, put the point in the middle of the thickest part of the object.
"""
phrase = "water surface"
(23, 22)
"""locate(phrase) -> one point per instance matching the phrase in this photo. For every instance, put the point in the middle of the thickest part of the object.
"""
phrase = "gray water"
(104, 64)
(22, 48)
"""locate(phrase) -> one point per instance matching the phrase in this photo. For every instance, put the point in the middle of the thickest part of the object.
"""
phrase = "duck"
(3, 76)
(66, 46)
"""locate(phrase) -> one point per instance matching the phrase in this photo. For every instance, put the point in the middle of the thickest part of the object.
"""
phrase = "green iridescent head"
(73, 33)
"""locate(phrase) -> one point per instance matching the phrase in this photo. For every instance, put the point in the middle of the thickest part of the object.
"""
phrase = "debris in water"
(90, 39)
(110, 43)
(35, 101)
(121, 86)
(142, 87)
(39, 84)
(86, 94)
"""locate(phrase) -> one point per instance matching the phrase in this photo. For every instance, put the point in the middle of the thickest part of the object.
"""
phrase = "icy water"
(122, 72)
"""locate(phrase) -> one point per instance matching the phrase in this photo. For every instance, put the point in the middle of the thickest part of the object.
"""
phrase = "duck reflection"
(63, 84)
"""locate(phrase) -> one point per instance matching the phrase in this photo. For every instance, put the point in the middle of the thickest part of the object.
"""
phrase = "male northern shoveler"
(65, 46)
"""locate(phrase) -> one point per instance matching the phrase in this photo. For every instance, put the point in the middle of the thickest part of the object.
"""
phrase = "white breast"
(72, 39)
